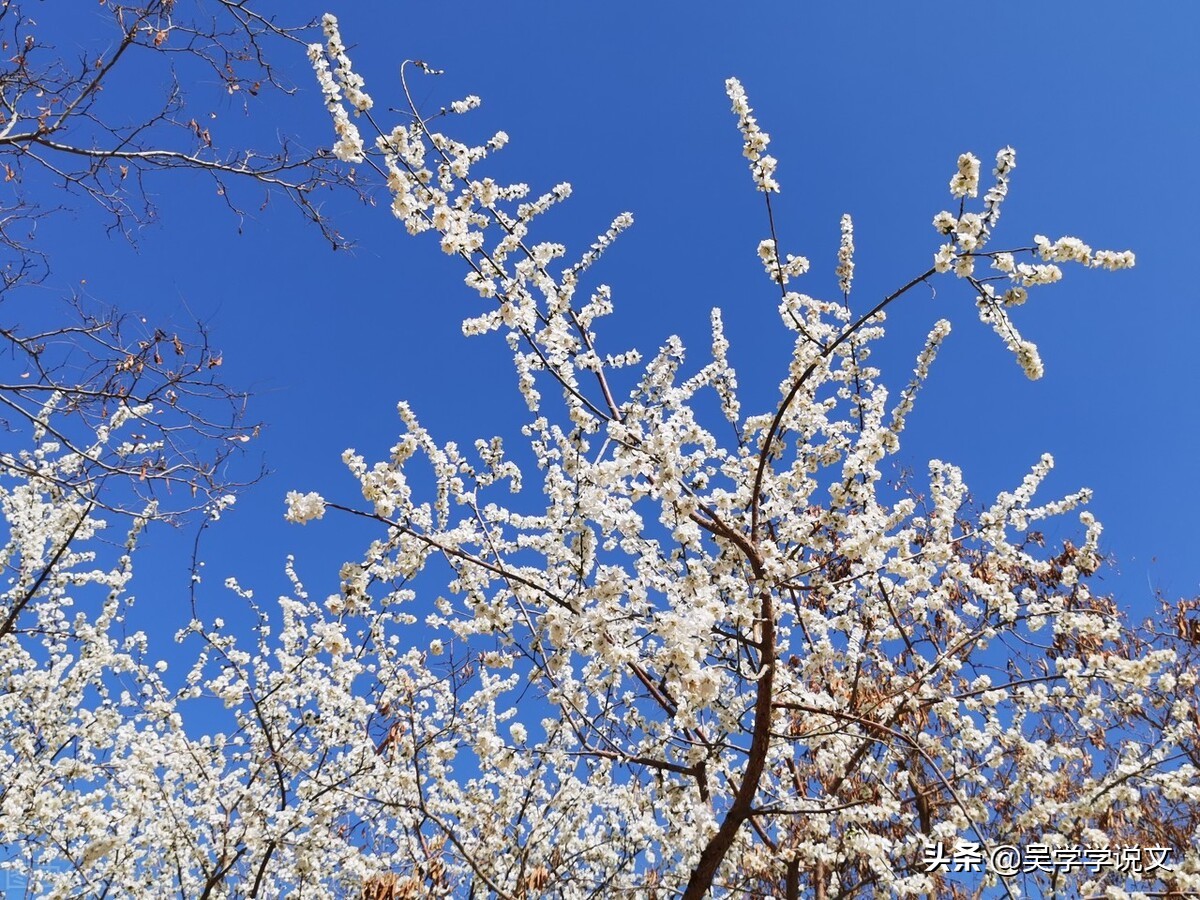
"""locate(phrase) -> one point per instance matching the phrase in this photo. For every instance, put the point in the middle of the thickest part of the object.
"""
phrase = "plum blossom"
(965, 182)
(302, 508)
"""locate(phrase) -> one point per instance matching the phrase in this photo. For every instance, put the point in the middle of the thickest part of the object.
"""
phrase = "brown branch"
(714, 852)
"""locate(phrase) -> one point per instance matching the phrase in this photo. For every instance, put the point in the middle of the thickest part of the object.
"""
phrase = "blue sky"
(868, 106)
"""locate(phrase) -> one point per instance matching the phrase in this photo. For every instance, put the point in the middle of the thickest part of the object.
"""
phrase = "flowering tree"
(705, 653)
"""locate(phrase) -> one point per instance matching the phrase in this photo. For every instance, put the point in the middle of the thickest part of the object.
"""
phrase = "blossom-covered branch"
(685, 641)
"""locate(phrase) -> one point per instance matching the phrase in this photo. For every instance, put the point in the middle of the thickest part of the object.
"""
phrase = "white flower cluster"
(965, 182)
(1072, 249)
(621, 223)
(342, 80)
(755, 140)
(845, 266)
(350, 82)
(465, 105)
(1006, 161)
(780, 271)
(969, 232)
(933, 342)
(302, 508)
(1114, 259)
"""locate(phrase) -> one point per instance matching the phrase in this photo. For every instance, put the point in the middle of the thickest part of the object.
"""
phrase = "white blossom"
(845, 268)
(965, 182)
(302, 508)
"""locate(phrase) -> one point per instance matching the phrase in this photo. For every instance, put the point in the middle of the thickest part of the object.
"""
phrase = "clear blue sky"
(868, 105)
